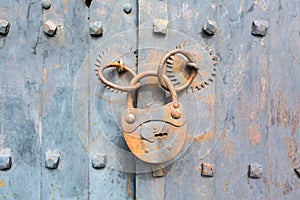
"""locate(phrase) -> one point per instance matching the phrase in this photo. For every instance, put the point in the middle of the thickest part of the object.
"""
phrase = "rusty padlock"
(155, 135)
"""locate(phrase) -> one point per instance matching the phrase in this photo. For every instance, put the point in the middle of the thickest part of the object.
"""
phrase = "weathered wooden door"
(60, 132)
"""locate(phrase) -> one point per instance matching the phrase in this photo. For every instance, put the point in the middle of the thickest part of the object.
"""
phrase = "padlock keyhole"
(160, 135)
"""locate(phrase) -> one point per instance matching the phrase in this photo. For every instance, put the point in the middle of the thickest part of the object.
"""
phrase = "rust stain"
(229, 148)
(128, 186)
(292, 150)
(210, 102)
(202, 137)
(2, 183)
(224, 135)
(283, 114)
(263, 82)
(271, 118)
(66, 5)
(57, 66)
(253, 116)
(45, 79)
(134, 144)
(211, 99)
(254, 132)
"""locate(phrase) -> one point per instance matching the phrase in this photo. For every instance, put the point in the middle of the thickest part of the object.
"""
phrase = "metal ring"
(191, 64)
(113, 85)
(138, 77)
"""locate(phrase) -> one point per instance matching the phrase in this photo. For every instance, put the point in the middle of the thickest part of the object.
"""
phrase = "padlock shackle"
(142, 75)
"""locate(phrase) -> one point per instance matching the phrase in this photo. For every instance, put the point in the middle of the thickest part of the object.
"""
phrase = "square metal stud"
(159, 172)
(255, 170)
(160, 26)
(207, 170)
(96, 29)
(259, 28)
(52, 160)
(5, 159)
(210, 27)
(99, 162)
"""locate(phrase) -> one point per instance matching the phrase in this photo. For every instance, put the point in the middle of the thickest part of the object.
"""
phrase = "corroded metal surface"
(156, 135)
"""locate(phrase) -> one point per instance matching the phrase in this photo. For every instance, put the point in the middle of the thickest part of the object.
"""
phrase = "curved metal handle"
(192, 65)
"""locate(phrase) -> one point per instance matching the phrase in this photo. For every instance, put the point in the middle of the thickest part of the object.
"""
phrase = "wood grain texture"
(244, 67)
(258, 77)
(62, 56)
(20, 91)
(148, 59)
(184, 180)
(112, 182)
(284, 102)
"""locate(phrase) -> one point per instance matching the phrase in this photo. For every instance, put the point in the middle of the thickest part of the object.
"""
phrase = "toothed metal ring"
(190, 65)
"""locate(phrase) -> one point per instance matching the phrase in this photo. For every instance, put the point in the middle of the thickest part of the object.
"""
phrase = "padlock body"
(155, 135)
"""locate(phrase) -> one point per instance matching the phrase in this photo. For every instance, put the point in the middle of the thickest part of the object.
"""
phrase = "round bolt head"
(127, 8)
(49, 28)
(155, 129)
(169, 147)
(96, 29)
(130, 118)
(210, 27)
(147, 150)
(4, 27)
(176, 114)
(46, 4)
(176, 105)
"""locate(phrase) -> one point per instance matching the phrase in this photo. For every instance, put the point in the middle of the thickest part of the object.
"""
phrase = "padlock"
(155, 135)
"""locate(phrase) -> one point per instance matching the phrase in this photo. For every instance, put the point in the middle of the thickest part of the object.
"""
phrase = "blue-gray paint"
(259, 75)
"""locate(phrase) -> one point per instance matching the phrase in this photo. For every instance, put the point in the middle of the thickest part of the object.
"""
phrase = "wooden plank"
(62, 56)
(116, 180)
(184, 180)
(149, 56)
(244, 68)
(284, 110)
(20, 88)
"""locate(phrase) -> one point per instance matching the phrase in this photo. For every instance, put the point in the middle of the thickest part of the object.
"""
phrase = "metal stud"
(96, 29)
(159, 172)
(130, 118)
(99, 162)
(259, 28)
(52, 159)
(49, 28)
(176, 114)
(5, 159)
(4, 27)
(210, 27)
(160, 26)
(127, 8)
(255, 170)
(207, 170)
(46, 4)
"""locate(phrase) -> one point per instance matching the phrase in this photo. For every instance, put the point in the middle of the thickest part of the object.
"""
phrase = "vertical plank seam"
(89, 106)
